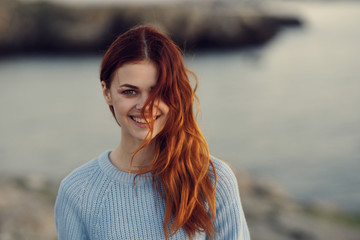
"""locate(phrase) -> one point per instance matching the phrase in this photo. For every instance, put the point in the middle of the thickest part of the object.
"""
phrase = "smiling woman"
(160, 182)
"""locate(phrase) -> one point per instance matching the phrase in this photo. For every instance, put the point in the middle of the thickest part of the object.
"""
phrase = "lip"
(140, 124)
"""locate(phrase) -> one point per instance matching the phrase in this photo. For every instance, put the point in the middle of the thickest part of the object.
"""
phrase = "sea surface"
(287, 112)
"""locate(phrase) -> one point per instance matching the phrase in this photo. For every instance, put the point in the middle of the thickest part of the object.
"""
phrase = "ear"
(106, 93)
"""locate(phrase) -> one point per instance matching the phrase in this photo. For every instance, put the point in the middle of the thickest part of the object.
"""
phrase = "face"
(130, 88)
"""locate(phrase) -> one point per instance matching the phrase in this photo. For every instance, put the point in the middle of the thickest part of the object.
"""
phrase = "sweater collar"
(124, 177)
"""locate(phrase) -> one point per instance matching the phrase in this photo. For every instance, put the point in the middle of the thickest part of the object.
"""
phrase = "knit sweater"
(99, 202)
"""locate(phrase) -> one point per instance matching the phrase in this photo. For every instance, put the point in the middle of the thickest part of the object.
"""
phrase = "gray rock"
(42, 27)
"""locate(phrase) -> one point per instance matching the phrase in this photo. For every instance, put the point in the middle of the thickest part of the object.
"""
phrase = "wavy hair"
(181, 167)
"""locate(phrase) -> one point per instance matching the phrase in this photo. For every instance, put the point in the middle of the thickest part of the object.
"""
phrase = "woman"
(160, 182)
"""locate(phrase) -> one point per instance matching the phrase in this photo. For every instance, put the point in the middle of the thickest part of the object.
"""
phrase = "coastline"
(45, 27)
(263, 213)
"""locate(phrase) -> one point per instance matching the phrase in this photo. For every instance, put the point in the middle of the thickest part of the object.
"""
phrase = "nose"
(138, 106)
(141, 101)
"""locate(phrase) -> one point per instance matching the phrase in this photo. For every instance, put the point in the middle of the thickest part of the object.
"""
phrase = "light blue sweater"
(97, 201)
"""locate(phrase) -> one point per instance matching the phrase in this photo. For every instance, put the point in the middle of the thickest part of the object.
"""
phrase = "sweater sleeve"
(230, 222)
(68, 217)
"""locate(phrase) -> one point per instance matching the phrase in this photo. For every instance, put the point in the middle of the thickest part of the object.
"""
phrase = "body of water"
(287, 111)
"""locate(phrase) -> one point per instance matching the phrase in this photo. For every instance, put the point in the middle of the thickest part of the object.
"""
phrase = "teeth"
(142, 120)
(139, 120)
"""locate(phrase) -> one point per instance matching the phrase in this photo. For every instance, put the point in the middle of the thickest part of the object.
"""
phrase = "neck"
(122, 155)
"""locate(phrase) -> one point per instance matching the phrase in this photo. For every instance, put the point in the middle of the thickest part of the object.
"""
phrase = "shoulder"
(230, 219)
(80, 175)
(223, 170)
(76, 181)
(226, 182)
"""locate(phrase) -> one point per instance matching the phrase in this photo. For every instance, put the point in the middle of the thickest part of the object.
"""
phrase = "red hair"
(181, 167)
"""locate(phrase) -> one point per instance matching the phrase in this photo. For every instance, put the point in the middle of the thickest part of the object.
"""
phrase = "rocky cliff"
(41, 27)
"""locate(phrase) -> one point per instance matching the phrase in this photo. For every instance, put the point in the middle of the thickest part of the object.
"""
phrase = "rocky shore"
(42, 27)
(26, 212)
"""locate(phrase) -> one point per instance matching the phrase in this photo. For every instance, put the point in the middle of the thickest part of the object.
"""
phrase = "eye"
(129, 92)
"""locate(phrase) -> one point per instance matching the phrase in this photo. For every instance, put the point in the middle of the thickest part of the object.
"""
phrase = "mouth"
(141, 120)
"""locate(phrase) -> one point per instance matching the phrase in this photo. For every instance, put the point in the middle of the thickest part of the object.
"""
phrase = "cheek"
(123, 105)
(166, 116)
(121, 110)
(164, 109)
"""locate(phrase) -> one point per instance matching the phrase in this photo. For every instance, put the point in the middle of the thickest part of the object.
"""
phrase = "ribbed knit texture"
(97, 201)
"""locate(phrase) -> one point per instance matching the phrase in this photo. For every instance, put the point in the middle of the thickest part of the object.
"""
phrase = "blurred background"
(279, 86)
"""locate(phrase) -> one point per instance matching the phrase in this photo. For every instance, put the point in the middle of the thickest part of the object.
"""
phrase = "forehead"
(141, 74)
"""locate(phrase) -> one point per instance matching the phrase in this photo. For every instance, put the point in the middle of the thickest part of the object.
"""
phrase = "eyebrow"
(128, 86)
(131, 86)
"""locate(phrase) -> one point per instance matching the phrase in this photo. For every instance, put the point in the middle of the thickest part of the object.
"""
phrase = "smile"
(141, 120)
